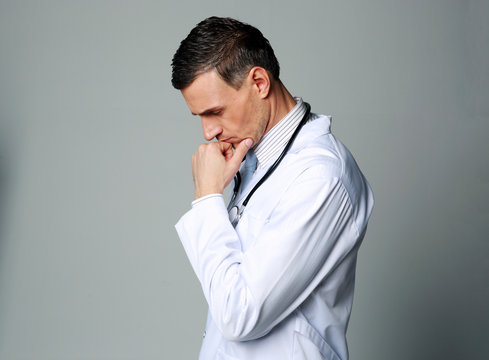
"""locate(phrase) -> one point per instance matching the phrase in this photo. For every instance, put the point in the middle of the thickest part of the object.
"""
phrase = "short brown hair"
(229, 46)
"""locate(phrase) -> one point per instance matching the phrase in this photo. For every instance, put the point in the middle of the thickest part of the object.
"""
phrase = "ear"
(260, 80)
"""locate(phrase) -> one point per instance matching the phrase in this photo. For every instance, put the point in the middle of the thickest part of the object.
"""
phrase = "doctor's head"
(226, 71)
(225, 45)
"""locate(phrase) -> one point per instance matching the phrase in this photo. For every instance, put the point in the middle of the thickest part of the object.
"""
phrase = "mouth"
(230, 140)
(226, 140)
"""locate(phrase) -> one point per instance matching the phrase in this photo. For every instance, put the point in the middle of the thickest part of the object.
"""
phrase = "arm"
(308, 234)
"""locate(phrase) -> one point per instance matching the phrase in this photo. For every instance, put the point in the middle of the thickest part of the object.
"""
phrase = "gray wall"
(95, 148)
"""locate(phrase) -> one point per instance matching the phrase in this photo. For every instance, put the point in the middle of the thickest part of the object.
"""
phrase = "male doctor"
(278, 274)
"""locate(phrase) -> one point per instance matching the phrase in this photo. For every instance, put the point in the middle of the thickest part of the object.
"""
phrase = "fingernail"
(248, 142)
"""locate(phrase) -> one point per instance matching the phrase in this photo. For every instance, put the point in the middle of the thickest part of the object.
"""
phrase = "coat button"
(203, 335)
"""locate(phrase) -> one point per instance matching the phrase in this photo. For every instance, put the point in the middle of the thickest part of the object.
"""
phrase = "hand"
(214, 166)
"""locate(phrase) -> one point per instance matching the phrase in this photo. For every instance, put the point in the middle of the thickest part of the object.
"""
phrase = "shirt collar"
(275, 140)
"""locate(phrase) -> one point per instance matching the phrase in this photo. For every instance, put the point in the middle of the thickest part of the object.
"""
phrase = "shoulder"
(318, 154)
(316, 149)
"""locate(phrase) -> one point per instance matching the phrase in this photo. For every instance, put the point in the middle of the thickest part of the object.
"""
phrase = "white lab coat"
(280, 285)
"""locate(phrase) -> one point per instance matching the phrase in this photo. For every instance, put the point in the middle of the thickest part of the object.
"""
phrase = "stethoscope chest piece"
(234, 215)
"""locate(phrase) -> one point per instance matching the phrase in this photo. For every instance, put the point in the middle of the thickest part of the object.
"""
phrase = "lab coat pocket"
(250, 228)
(309, 345)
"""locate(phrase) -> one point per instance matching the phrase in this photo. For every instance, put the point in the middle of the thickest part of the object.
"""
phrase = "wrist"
(206, 191)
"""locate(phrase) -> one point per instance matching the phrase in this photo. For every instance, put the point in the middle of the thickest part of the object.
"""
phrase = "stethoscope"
(235, 212)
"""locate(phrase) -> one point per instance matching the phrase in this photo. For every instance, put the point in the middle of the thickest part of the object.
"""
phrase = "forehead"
(206, 91)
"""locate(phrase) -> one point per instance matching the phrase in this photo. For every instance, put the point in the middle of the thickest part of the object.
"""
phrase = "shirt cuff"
(196, 201)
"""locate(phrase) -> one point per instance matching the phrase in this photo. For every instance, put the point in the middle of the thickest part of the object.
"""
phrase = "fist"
(215, 164)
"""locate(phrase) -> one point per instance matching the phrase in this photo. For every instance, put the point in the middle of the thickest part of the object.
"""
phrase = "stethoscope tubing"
(237, 178)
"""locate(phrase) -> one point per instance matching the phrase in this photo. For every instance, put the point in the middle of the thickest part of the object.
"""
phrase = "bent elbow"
(242, 324)
(234, 334)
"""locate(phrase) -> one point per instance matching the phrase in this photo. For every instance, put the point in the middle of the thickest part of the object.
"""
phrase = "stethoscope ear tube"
(235, 212)
(237, 184)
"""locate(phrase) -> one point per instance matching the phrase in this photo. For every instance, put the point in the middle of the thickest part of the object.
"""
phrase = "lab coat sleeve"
(308, 233)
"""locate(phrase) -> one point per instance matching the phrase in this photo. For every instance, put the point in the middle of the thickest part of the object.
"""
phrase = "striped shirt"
(275, 140)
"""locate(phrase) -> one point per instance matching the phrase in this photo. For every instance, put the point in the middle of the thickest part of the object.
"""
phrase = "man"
(278, 273)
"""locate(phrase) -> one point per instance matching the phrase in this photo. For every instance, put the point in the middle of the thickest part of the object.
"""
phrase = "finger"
(240, 152)
(226, 149)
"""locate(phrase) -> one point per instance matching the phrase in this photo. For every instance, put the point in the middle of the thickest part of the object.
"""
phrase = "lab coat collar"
(317, 125)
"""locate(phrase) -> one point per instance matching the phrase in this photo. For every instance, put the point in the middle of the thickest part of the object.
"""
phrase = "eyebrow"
(209, 111)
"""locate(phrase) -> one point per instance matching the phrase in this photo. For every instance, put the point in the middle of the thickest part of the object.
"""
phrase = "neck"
(281, 102)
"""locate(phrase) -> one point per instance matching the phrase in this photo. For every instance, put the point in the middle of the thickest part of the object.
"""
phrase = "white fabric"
(205, 197)
(280, 285)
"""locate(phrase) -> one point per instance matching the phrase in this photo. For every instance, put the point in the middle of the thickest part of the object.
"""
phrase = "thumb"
(240, 152)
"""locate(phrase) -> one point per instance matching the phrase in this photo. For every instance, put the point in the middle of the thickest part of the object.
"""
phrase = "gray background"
(95, 165)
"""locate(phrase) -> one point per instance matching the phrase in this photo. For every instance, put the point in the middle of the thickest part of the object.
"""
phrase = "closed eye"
(210, 112)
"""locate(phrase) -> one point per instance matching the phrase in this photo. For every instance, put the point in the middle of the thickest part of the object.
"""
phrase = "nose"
(210, 128)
